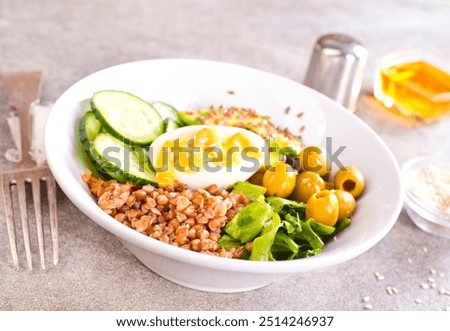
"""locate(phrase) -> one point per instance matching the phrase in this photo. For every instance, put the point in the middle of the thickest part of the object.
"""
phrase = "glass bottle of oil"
(414, 84)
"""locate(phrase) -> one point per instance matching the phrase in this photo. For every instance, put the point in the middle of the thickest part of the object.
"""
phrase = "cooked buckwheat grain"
(177, 215)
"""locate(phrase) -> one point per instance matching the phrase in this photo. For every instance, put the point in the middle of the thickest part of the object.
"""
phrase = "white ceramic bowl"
(195, 84)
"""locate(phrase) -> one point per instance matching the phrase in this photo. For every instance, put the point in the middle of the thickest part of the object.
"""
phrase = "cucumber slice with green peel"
(89, 127)
(143, 157)
(170, 125)
(120, 161)
(92, 165)
(188, 118)
(127, 116)
(165, 110)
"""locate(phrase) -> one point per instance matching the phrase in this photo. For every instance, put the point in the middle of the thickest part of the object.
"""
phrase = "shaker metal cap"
(336, 68)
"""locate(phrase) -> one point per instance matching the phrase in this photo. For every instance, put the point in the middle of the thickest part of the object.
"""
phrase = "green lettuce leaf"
(252, 191)
(228, 242)
(249, 222)
(262, 245)
(310, 236)
(321, 229)
(284, 247)
(292, 224)
(284, 206)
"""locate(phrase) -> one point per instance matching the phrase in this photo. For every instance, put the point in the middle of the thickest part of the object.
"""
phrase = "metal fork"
(22, 90)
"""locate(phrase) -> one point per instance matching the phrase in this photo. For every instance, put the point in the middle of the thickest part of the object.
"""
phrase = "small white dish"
(424, 191)
(193, 84)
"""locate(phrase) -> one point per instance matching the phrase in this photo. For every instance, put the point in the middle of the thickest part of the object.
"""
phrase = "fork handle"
(25, 135)
(23, 88)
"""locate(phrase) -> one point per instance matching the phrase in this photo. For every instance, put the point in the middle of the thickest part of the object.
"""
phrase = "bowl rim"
(186, 256)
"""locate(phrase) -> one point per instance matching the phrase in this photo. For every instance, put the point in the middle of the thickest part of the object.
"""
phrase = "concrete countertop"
(69, 39)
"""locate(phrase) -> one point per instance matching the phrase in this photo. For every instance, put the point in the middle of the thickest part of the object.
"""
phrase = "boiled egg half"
(202, 155)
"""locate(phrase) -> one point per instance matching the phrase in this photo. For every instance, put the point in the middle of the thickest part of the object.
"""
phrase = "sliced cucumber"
(170, 125)
(143, 156)
(127, 116)
(166, 110)
(188, 118)
(89, 127)
(92, 165)
(120, 160)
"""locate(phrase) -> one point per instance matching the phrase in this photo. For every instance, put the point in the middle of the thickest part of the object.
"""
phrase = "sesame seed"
(418, 301)
(379, 276)
(389, 290)
(409, 260)
(287, 110)
(431, 280)
(433, 285)
(368, 306)
(300, 114)
(230, 92)
(366, 299)
(425, 286)
(424, 249)
(442, 291)
(431, 186)
(441, 274)
(433, 271)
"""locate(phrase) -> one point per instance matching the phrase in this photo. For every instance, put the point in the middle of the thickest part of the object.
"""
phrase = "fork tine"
(51, 194)
(21, 196)
(8, 207)
(36, 188)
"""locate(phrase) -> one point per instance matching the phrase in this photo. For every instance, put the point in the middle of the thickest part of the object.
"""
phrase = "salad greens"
(253, 192)
(261, 249)
(276, 227)
(249, 221)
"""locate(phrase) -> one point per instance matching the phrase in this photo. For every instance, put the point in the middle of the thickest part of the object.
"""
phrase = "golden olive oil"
(418, 90)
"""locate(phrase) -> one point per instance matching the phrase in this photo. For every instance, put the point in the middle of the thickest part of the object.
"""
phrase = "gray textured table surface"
(70, 39)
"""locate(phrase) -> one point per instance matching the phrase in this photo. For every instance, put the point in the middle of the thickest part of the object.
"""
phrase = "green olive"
(307, 184)
(313, 159)
(280, 180)
(347, 203)
(329, 186)
(349, 179)
(257, 177)
(323, 207)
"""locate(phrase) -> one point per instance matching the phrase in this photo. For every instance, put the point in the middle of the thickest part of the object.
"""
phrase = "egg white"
(221, 176)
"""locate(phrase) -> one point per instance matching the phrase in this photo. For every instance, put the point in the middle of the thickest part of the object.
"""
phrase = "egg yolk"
(192, 153)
